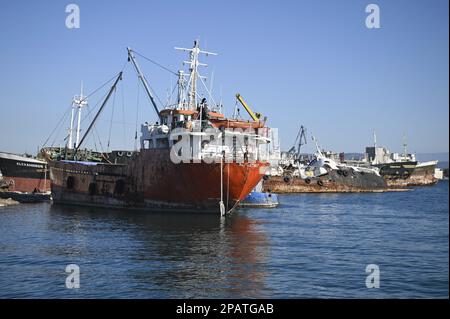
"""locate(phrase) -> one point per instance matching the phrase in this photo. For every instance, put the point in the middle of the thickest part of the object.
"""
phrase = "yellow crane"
(255, 116)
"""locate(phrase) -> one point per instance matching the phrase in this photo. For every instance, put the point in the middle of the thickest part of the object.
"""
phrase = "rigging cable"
(137, 115)
(162, 67)
(171, 94)
(123, 112)
(59, 123)
(111, 122)
(155, 63)
(58, 132)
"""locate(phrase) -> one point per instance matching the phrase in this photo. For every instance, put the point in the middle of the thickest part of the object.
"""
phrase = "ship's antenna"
(193, 68)
(405, 145)
(374, 139)
(220, 103)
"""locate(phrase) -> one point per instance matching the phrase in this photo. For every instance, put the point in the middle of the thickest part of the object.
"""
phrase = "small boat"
(259, 199)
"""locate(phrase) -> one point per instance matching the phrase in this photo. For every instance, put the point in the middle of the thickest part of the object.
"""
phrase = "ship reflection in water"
(163, 255)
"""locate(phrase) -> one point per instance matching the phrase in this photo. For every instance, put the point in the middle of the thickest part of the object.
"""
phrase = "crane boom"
(255, 116)
(143, 80)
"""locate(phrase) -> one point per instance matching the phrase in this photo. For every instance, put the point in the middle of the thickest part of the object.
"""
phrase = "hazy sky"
(298, 62)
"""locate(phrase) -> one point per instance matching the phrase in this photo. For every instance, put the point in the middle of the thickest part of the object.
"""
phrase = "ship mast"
(69, 143)
(78, 103)
(193, 69)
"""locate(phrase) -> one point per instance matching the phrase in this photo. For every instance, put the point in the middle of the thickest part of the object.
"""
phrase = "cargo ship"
(23, 178)
(224, 160)
(401, 170)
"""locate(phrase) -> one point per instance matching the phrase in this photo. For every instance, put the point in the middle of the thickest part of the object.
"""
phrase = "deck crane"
(255, 116)
(300, 140)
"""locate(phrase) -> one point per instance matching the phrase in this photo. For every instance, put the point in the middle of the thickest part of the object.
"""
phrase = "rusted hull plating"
(330, 183)
(152, 182)
(419, 178)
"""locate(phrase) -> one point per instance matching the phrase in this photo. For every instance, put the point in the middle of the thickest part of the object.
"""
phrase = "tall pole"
(80, 103)
(404, 145)
(69, 144)
(78, 126)
(143, 80)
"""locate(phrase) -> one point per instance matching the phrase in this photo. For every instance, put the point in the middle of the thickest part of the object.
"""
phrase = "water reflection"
(169, 255)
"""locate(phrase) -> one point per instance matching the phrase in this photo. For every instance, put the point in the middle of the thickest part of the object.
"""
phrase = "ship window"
(92, 188)
(70, 182)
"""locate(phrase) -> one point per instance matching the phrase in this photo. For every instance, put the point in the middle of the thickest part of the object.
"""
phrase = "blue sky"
(298, 62)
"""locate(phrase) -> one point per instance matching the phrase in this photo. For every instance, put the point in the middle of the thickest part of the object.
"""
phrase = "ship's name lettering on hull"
(29, 165)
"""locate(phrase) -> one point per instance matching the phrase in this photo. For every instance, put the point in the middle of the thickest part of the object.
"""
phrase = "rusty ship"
(222, 157)
(400, 170)
(324, 172)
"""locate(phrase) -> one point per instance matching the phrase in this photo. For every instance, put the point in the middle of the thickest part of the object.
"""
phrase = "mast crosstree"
(194, 63)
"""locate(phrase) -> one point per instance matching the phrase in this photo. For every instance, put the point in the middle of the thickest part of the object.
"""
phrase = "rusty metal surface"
(413, 180)
(330, 183)
(152, 182)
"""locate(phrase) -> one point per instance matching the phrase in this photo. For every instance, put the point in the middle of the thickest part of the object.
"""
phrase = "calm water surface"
(311, 246)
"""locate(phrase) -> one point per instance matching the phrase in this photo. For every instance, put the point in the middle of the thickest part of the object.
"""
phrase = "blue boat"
(260, 199)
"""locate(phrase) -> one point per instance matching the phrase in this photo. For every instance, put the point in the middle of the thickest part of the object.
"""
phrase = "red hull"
(151, 181)
(27, 185)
